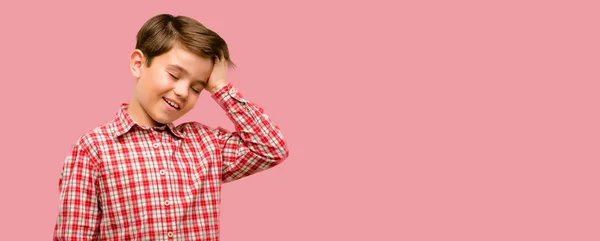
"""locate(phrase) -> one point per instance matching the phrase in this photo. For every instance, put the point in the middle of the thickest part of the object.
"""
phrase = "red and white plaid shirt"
(124, 181)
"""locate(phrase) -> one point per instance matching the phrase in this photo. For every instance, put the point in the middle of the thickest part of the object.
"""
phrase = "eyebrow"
(181, 69)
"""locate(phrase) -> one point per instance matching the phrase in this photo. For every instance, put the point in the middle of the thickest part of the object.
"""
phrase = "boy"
(140, 177)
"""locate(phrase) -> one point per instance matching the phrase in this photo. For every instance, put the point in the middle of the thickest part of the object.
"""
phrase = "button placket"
(163, 169)
(168, 200)
(159, 136)
(169, 145)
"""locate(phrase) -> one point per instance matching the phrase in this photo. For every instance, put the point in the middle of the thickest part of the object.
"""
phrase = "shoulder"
(90, 140)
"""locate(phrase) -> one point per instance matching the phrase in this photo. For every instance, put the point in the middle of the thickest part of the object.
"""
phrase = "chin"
(163, 121)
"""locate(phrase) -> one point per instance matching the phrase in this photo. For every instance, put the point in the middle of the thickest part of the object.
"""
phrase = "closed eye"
(173, 76)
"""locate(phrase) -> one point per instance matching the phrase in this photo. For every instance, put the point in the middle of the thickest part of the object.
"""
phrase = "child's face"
(176, 76)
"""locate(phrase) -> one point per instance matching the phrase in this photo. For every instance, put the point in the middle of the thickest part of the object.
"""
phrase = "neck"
(139, 115)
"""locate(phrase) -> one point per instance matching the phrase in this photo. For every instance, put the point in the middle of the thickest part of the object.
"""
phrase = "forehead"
(184, 58)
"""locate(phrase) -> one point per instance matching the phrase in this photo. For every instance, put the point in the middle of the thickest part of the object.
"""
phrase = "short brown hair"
(161, 32)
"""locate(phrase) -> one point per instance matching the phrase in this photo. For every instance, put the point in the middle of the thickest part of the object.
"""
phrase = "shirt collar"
(123, 122)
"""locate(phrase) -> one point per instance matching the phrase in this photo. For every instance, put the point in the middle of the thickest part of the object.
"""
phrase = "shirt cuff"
(228, 95)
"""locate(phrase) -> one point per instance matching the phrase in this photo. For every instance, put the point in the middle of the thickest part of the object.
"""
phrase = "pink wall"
(430, 120)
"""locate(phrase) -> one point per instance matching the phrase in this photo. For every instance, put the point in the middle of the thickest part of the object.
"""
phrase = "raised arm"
(257, 143)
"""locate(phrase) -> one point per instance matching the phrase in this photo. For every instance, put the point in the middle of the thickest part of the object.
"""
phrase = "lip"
(174, 101)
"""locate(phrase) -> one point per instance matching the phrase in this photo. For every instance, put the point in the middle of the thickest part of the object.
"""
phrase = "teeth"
(172, 104)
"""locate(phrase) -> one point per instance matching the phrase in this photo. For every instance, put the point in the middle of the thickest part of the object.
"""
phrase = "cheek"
(163, 85)
(158, 83)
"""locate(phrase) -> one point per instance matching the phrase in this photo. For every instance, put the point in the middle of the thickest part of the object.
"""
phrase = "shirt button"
(167, 203)
(156, 145)
(170, 234)
(162, 172)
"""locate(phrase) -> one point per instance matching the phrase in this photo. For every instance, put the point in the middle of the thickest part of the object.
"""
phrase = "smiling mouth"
(171, 104)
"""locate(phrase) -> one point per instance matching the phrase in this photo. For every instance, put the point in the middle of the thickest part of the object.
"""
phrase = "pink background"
(406, 120)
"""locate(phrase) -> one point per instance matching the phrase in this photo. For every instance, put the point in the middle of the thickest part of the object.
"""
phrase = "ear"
(136, 62)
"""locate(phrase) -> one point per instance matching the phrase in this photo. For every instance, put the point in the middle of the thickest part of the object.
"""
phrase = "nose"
(181, 90)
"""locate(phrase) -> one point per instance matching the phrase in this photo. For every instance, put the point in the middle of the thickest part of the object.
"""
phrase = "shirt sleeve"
(78, 213)
(256, 144)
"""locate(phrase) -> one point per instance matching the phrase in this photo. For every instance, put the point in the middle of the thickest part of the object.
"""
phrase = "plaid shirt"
(124, 181)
